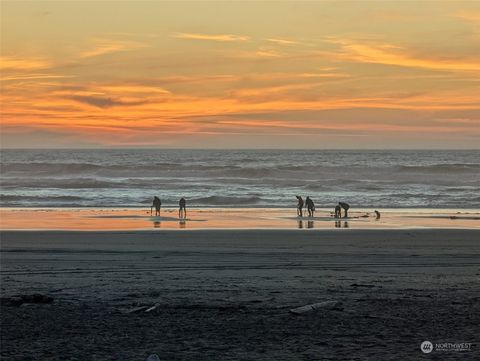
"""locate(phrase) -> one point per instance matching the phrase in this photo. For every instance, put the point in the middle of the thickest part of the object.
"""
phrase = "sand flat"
(226, 294)
(230, 218)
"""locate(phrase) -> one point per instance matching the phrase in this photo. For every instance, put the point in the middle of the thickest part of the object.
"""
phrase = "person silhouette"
(182, 211)
(345, 207)
(300, 206)
(157, 203)
(310, 206)
(338, 211)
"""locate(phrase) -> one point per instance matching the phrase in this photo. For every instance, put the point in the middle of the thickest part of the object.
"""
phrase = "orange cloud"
(35, 76)
(15, 63)
(394, 55)
(107, 46)
(281, 41)
(211, 37)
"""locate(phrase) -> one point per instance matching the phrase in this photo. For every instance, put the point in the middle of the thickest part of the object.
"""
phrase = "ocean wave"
(29, 198)
(226, 200)
(433, 168)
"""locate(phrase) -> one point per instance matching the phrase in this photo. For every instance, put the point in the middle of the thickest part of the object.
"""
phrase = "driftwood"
(136, 309)
(150, 309)
(328, 305)
(141, 309)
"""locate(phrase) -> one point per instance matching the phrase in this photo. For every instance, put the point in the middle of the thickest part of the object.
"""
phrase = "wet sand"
(226, 294)
(230, 218)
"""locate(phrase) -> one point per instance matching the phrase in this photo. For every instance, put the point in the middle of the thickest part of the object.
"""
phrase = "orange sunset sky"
(226, 74)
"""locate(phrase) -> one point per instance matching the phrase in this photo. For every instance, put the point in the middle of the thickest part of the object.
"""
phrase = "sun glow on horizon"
(240, 74)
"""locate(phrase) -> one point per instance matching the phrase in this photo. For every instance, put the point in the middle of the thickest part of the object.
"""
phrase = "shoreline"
(124, 219)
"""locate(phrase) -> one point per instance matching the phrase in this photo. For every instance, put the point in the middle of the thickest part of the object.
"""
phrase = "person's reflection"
(156, 224)
(338, 224)
(300, 224)
(310, 224)
(182, 223)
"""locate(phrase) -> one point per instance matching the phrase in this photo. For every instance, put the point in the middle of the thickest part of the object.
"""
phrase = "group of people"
(182, 210)
(310, 206)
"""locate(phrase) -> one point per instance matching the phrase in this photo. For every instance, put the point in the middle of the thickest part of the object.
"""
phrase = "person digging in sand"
(345, 207)
(182, 211)
(310, 206)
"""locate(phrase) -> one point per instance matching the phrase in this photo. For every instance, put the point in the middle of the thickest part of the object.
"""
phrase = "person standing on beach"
(182, 211)
(157, 203)
(300, 206)
(345, 207)
(310, 206)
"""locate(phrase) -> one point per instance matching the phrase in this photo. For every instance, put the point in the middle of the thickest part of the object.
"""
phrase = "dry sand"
(226, 294)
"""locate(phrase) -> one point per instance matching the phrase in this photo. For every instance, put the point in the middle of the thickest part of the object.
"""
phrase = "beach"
(226, 294)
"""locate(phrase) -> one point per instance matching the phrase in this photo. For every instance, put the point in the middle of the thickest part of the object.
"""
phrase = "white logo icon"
(426, 347)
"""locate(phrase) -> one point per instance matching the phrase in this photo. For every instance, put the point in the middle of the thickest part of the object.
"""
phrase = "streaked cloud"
(134, 89)
(17, 63)
(281, 41)
(211, 37)
(390, 54)
(103, 102)
(35, 76)
(108, 46)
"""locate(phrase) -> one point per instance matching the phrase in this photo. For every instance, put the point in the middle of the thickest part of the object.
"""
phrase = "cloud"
(211, 37)
(36, 76)
(134, 89)
(269, 53)
(389, 54)
(106, 46)
(281, 41)
(103, 102)
(14, 63)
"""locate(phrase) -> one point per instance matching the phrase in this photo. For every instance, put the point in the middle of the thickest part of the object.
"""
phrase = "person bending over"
(182, 210)
(310, 206)
(345, 207)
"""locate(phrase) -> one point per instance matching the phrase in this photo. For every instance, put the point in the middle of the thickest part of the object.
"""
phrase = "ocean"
(240, 178)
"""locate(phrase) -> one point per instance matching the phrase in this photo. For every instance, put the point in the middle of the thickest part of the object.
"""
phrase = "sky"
(246, 74)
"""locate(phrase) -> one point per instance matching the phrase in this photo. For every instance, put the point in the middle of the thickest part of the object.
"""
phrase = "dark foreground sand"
(226, 294)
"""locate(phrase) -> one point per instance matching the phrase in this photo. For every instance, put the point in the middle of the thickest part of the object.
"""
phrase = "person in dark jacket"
(310, 206)
(345, 207)
(182, 210)
(157, 203)
(300, 206)
(338, 211)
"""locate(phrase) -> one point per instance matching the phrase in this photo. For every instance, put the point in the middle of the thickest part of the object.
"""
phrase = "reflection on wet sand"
(156, 224)
(182, 223)
(338, 224)
(310, 224)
